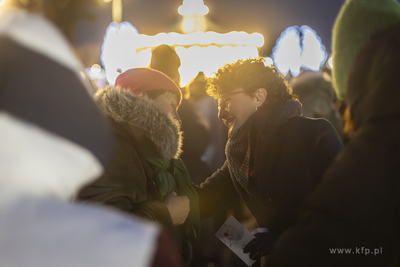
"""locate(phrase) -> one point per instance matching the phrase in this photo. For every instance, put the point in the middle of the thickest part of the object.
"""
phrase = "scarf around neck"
(172, 175)
(240, 145)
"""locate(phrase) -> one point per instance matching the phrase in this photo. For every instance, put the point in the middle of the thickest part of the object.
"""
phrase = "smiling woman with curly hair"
(275, 157)
(250, 75)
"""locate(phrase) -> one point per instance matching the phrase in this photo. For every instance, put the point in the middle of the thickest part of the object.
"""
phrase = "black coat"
(293, 158)
(356, 207)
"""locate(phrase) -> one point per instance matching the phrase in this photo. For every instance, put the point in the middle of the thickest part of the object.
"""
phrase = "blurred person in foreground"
(275, 157)
(53, 140)
(353, 216)
(146, 176)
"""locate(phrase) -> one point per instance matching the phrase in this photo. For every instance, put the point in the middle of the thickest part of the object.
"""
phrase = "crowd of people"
(130, 174)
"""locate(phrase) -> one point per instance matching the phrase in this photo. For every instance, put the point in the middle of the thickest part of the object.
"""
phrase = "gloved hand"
(261, 245)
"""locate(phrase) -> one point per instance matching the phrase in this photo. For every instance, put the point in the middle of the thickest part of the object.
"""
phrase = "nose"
(221, 113)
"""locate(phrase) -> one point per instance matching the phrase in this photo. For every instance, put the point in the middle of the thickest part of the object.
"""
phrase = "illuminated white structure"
(193, 12)
(120, 50)
(198, 49)
(298, 48)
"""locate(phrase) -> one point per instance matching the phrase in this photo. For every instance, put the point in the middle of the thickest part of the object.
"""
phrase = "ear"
(261, 96)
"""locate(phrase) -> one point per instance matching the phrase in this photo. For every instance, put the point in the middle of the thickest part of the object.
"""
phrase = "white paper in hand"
(233, 234)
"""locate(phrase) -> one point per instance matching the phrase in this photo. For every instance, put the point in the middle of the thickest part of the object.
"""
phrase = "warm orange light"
(200, 38)
(193, 23)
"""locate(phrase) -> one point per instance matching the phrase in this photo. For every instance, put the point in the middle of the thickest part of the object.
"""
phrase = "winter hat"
(139, 80)
(356, 23)
(165, 59)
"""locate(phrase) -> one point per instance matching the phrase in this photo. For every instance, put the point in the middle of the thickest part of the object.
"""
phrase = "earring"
(256, 107)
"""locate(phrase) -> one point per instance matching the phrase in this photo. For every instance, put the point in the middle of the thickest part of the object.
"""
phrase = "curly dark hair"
(250, 75)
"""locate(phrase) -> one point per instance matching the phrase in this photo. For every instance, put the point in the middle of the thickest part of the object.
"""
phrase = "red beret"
(139, 80)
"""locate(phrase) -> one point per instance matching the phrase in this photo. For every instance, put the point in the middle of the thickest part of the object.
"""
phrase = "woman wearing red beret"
(146, 176)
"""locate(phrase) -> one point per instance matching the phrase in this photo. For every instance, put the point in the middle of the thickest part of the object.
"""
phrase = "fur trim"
(123, 106)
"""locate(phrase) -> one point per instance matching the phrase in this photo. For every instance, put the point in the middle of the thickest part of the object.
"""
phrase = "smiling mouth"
(228, 122)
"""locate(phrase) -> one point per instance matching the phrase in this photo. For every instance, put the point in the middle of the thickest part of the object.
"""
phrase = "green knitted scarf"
(172, 175)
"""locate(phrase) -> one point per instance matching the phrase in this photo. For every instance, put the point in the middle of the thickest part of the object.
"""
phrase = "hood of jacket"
(124, 107)
(373, 89)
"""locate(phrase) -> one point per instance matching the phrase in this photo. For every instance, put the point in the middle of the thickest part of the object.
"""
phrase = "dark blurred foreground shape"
(352, 218)
(53, 140)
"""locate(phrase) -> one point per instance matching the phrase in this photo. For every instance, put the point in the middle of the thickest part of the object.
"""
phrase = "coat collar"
(124, 107)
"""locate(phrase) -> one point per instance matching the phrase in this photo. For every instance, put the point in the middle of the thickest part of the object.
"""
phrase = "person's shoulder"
(307, 123)
(310, 128)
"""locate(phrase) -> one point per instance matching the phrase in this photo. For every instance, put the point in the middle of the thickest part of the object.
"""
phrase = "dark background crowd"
(144, 172)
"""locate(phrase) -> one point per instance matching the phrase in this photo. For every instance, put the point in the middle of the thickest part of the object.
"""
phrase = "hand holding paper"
(233, 234)
(260, 246)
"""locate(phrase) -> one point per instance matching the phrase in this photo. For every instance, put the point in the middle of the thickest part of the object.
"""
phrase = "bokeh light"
(198, 49)
(330, 63)
(297, 48)
(95, 70)
(193, 23)
(125, 48)
(209, 59)
(268, 61)
(119, 49)
(190, 7)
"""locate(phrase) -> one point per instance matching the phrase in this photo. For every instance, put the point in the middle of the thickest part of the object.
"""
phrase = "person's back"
(352, 218)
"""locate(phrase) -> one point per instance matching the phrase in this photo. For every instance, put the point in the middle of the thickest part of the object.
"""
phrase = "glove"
(260, 246)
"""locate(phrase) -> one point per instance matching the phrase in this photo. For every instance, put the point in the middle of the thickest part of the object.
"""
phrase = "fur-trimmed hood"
(124, 107)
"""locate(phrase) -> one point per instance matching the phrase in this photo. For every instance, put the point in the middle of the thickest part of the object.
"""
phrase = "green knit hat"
(356, 23)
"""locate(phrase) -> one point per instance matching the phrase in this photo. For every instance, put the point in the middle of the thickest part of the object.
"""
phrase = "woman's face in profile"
(235, 108)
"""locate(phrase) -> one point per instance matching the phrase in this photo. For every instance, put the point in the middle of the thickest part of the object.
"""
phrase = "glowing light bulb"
(191, 7)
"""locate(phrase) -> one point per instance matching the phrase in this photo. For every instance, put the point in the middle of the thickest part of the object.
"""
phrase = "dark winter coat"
(353, 216)
(293, 157)
(354, 208)
(129, 183)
